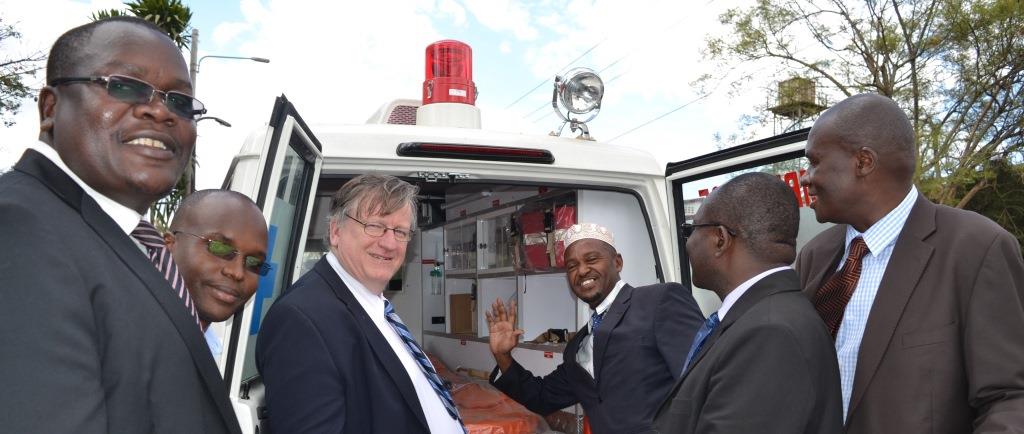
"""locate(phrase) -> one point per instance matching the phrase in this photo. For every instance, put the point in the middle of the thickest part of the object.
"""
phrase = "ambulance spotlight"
(578, 92)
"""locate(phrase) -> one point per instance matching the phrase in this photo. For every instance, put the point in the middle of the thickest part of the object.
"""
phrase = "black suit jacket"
(769, 367)
(326, 366)
(93, 338)
(639, 351)
(943, 348)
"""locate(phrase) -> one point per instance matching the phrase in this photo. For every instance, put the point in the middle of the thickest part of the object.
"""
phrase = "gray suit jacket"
(943, 350)
(769, 367)
(92, 338)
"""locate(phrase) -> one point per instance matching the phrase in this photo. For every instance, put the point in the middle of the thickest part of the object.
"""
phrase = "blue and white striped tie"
(422, 360)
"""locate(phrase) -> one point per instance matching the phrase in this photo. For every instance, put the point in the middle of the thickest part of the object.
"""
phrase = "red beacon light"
(449, 74)
(449, 94)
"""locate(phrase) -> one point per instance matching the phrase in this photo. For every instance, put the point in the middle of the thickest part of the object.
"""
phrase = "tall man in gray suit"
(763, 363)
(925, 302)
(93, 339)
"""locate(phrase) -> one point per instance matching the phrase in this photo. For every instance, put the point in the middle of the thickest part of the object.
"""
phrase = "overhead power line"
(542, 82)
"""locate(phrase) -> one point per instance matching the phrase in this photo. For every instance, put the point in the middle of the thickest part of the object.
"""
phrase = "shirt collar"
(884, 232)
(735, 295)
(607, 302)
(126, 218)
(372, 303)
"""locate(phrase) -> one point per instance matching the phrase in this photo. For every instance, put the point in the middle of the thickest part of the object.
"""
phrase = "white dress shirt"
(585, 354)
(437, 415)
(742, 289)
(880, 239)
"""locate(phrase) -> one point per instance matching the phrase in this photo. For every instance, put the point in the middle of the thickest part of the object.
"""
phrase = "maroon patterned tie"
(831, 299)
(146, 234)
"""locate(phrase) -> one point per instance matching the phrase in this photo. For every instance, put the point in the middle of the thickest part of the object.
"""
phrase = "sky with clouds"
(338, 61)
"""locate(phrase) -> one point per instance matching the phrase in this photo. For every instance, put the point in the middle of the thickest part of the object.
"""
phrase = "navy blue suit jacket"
(639, 351)
(326, 366)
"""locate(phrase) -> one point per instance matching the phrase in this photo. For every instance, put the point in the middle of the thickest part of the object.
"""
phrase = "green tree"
(1003, 198)
(173, 17)
(170, 15)
(955, 66)
(14, 70)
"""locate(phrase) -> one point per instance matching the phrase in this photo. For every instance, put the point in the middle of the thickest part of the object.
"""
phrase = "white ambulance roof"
(380, 142)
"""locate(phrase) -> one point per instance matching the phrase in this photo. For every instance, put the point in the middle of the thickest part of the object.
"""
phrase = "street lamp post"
(193, 71)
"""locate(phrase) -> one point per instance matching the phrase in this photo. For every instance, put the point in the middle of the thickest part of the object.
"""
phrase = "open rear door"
(279, 169)
(691, 180)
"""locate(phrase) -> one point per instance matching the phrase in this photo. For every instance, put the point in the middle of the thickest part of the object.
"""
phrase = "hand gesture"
(501, 324)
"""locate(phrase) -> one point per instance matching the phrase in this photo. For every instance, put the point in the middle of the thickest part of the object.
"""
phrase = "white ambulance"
(492, 206)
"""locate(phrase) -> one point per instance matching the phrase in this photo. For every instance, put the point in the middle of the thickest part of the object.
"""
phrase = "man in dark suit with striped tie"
(95, 338)
(333, 354)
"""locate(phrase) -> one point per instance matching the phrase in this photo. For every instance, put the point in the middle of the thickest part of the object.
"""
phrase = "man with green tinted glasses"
(219, 240)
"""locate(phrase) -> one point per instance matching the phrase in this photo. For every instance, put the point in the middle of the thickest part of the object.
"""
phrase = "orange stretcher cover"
(484, 409)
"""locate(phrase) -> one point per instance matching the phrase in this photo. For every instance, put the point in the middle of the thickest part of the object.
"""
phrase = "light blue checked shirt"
(880, 238)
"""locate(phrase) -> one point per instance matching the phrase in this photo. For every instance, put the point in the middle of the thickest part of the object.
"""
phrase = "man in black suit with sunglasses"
(98, 332)
(219, 241)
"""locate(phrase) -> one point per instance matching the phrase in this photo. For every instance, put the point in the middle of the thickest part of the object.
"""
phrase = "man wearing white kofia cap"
(621, 364)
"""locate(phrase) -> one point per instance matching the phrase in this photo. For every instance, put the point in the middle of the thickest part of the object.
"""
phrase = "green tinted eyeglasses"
(228, 252)
(135, 91)
(378, 230)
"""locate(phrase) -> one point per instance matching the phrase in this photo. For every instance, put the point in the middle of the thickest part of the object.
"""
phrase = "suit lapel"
(572, 349)
(909, 258)
(70, 192)
(836, 246)
(611, 320)
(378, 343)
(773, 283)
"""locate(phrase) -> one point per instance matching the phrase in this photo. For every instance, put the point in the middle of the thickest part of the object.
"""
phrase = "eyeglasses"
(135, 91)
(378, 230)
(228, 252)
(689, 228)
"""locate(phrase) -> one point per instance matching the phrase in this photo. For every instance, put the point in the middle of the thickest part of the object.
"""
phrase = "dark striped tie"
(422, 361)
(831, 298)
(160, 256)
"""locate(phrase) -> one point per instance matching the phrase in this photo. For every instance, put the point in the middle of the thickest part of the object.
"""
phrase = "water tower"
(795, 103)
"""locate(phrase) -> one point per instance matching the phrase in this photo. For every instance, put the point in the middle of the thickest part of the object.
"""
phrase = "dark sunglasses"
(689, 228)
(228, 252)
(135, 91)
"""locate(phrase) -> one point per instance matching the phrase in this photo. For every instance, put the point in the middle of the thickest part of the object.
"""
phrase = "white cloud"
(339, 61)
(226, 33)
(336, 65)
(452, 10)
(501, 15)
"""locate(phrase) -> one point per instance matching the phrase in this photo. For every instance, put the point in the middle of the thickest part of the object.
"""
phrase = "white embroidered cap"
(587, 230)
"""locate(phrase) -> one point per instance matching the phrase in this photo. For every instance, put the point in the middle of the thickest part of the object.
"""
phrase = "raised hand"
(501, 325)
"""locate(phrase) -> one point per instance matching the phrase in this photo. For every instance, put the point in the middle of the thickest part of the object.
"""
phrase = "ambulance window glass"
(288, 208)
